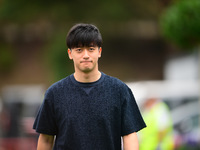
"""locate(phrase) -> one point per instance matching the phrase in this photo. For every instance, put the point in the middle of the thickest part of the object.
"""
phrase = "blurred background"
(152, 45)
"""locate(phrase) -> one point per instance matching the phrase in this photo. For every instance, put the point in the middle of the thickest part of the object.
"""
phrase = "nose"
(85, 54)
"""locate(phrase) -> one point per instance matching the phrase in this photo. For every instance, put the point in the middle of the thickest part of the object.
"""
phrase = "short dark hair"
(81, 35)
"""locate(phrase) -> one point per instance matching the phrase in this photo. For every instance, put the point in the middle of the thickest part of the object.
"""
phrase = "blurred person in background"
(159, 134)
(5, 121)
(88, 110)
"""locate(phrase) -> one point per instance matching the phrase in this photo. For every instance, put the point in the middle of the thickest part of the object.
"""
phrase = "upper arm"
(132, 120)
(45, 142)
(130, 142)
(45, 121)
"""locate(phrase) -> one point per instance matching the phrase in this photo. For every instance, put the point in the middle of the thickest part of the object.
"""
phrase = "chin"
(87, 70)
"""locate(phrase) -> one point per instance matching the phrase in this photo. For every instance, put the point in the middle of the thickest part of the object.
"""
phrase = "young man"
(88, 110)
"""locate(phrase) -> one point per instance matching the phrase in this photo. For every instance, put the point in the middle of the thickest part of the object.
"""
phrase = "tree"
(180, 23)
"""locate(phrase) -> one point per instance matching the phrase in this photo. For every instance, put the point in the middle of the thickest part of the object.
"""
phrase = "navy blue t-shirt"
(88, 116)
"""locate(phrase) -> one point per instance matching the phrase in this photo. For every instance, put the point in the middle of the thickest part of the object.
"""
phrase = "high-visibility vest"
(149, 137)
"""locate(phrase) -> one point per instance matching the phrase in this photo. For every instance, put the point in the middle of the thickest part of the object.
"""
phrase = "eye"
(91, 49)
(79, 50)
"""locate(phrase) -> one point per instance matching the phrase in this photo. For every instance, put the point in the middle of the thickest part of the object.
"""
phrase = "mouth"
(86, 61)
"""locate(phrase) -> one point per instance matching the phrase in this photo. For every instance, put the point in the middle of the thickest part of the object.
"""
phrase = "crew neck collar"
(87, 83)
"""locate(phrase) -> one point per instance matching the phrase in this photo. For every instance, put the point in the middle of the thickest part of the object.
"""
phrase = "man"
(88, 110)
(159, 135)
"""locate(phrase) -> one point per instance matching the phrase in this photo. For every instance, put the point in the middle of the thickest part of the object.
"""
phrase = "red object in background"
(18, 143)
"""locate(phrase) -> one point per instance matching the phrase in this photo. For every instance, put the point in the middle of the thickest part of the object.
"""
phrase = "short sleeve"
(131, 118)
(45, 120)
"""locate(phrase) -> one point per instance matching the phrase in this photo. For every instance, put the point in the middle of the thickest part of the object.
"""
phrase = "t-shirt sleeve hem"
(132, 131)
(41, 131)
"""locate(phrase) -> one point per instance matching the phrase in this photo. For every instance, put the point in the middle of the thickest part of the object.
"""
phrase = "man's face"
(85, 58)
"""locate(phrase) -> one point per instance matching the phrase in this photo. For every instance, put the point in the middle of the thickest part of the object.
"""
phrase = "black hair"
(81, 35)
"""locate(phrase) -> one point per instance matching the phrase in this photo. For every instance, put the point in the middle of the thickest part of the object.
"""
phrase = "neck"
(87, 77)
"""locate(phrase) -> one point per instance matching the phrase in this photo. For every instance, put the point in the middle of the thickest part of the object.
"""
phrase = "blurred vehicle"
(19, 105)
(182, 98)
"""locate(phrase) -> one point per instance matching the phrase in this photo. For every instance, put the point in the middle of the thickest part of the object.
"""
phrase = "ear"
(100, 51)
(69, 54)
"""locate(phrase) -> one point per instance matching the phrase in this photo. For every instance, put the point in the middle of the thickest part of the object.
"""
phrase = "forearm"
(45, 142)
(130, 142)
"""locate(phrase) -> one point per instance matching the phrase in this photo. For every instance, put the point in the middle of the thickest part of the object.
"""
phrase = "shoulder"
(55, 87)
(115, 82)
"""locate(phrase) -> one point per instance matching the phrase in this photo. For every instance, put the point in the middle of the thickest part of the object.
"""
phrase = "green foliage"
(63, 11)
(28, 11)
(181, 23)
(57, 57)
(7, 59)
